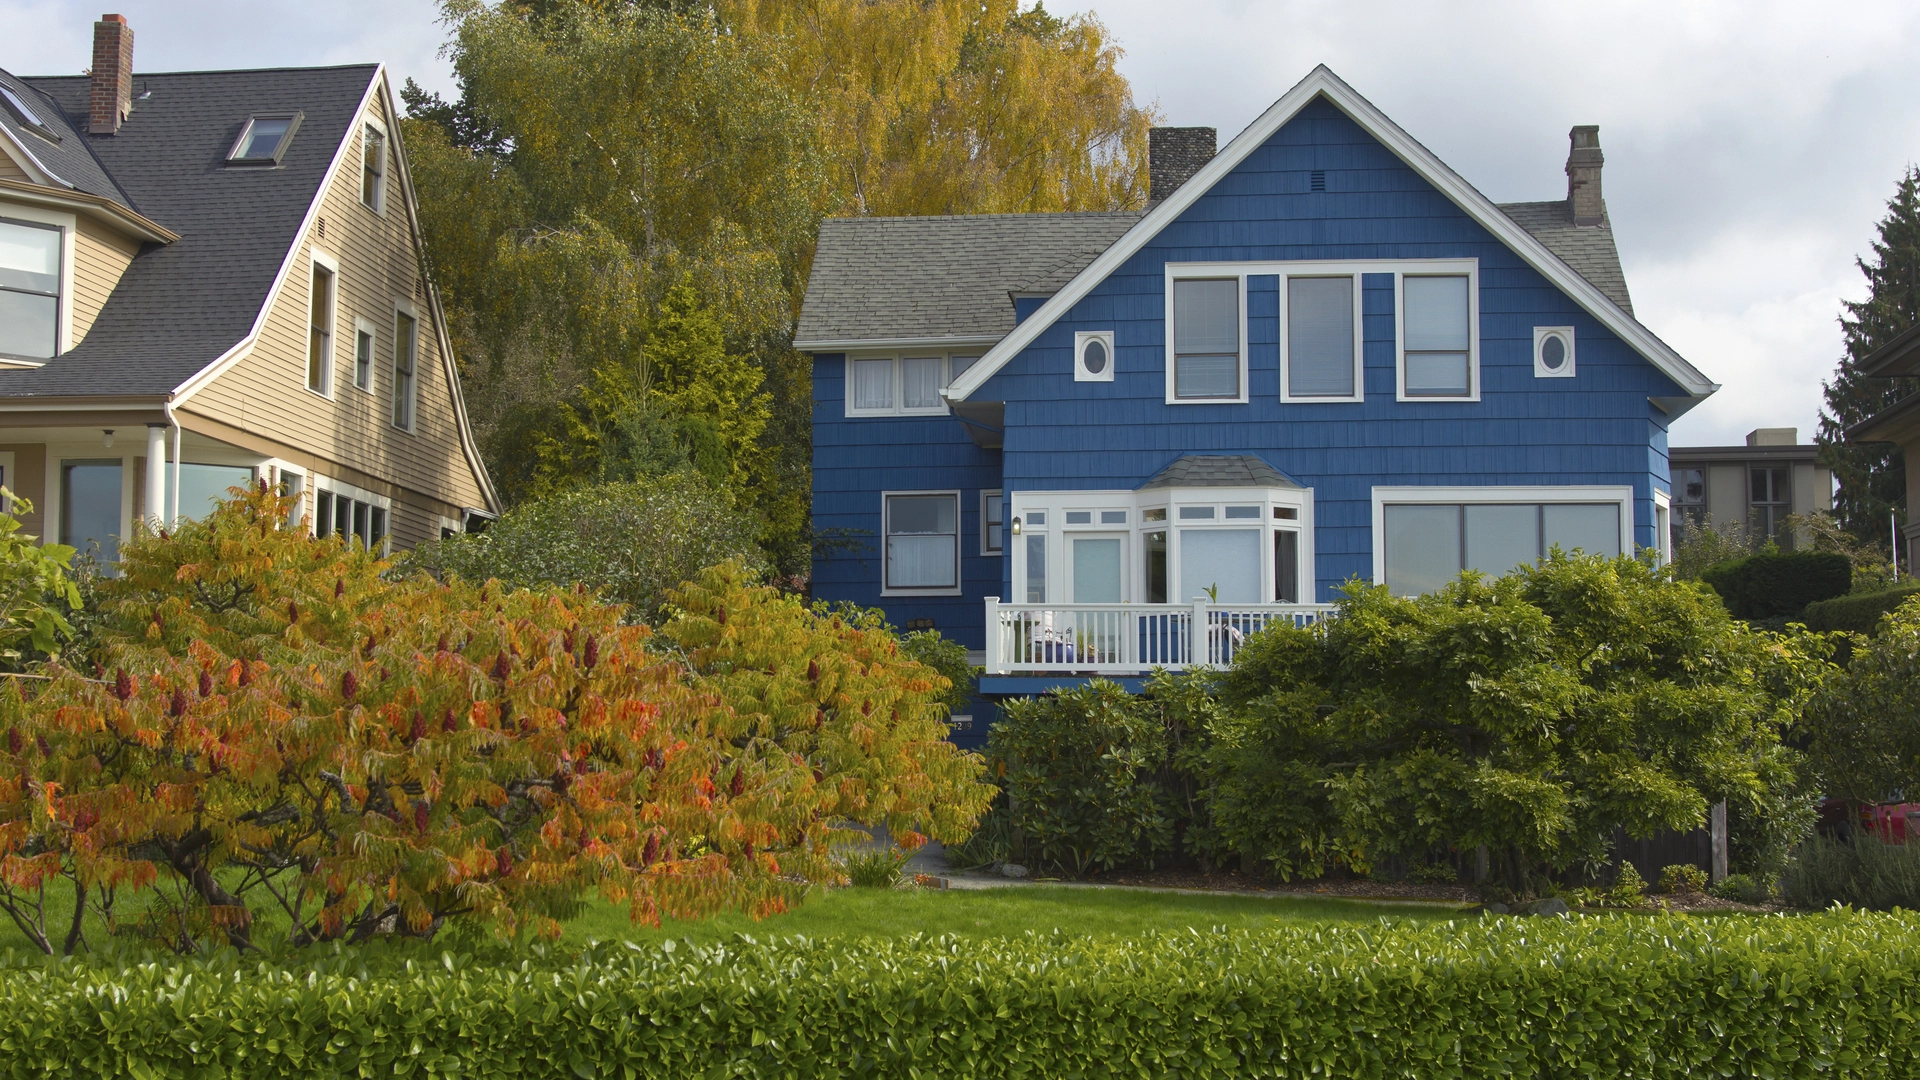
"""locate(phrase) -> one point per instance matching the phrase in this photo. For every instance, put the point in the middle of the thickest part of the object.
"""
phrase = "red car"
(1893, 823)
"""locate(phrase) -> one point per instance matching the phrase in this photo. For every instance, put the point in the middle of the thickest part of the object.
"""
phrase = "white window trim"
(958, 560)
(1539, 493)
(1056, 504)
(986, 551)
(1199, 272)
(405, 307)
(68, 224)
(1104, 337)
(1540, 370)
(1662, 527)
(1437, 268)
(317, 257)
(380, 195)
(368, 327)
(1332, 269)
(326, 485)
(899, 381)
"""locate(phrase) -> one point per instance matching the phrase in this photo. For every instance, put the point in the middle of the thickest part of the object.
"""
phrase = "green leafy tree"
(1873, 477)
(36, 584)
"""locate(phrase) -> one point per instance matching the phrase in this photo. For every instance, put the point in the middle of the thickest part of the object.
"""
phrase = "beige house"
(210, 278)
(1759, 485)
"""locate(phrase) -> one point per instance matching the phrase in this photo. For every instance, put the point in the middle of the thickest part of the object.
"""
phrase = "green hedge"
(1831, 994)
(1774, 585)
(1860, 613)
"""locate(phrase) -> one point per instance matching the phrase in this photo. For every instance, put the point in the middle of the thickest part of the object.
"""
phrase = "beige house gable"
(263, 394)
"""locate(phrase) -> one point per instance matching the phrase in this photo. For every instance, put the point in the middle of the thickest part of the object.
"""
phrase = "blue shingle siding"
(1596, 428)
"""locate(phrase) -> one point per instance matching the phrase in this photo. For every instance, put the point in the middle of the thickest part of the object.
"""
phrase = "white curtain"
(921, 382)
(873, 384)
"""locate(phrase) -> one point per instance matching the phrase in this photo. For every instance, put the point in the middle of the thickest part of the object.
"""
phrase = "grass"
(1005, 912)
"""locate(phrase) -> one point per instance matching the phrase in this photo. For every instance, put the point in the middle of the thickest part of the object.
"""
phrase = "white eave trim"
(1322, 81)
(33, 165)
(963, 341)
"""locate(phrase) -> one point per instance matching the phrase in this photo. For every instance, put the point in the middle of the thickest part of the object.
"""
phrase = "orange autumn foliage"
(274, 727)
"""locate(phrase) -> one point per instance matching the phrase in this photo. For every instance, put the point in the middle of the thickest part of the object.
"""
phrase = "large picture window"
(202, 487)
(1421, 546)
(922, 542)
(30, 255)
(1206, 339)
(90, 509)
(1320, 339)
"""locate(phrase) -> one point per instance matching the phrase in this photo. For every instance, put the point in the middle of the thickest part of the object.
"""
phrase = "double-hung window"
(320, 303)
(373, 168)
(992, 522)
(907, 385)
(406, 348)
(1320, 358)
(1208, 360)
(363, 339)
(1437, 337)
(30, 258)
(922, 542)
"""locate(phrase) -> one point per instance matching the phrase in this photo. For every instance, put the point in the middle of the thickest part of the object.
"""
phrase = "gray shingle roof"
(1218, 470)
(182, 305)
(882, 278)
(1587, 248)
(70, 159)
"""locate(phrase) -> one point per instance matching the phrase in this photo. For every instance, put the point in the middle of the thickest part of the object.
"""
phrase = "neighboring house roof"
(1322, 82)
(68, 163)
(1794, 452)
(182, 306)
(1218, 470)
(925, 280)
(1588, 249)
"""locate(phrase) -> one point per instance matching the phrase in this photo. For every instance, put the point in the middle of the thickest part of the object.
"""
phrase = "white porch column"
(1202, 652)
(996, 659)
(155, 511)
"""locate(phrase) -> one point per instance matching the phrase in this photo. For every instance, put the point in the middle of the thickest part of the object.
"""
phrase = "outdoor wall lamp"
(108, 438)
(1016, 526)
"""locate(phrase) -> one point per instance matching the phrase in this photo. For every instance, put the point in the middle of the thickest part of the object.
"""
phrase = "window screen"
(1036, 569)
(1206, 338)
(90, 509)
(1436, 336)
(1422, 548)
(29, 289)
(202, 487)
(1320, 337)
(873, 384)
(923, 542)
(1591, 528)
(920, 382)
(1501, 537)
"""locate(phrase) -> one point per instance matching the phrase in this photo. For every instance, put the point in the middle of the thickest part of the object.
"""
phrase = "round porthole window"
(1094, 357)
(1553, 353)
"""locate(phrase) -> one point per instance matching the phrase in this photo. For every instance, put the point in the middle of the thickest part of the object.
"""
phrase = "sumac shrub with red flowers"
(271, 734)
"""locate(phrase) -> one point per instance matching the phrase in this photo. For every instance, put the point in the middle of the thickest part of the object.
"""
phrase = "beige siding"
(100, 256)
(266, 392)
(11, 170)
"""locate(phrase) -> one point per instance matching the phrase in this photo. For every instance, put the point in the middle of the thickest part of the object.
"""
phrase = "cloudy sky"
(1751, 146)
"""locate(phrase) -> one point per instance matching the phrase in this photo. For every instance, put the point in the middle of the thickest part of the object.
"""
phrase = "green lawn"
(1004, 912)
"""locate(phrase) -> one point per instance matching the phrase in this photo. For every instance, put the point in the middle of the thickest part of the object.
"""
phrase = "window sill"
(1356, 399)
(1242, 400)
(1439, 398)
(921, 592)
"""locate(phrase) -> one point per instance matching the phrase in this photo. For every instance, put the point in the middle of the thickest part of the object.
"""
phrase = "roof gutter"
(94, 206)
(939, 341)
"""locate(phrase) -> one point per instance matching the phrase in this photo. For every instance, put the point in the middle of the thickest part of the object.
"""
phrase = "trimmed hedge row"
(1770, 586)
(1860, 613)
(1816, 995)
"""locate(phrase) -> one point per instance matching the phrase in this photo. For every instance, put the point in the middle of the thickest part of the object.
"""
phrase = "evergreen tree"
(1873, 476)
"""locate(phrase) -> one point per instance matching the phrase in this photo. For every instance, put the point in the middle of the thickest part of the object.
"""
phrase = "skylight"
(264, 139)
(21, 112)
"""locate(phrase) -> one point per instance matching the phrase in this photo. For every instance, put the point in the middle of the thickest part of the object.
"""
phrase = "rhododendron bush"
(272, 739)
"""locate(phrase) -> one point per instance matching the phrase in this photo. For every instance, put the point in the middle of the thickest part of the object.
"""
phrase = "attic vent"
(320, 229)
(1317, 180)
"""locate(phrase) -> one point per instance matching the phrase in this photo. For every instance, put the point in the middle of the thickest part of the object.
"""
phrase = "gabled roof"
(184, 305)
(68, 163)
(1322, 82)
(1218, 470)
(1589, 249)
(880, 281)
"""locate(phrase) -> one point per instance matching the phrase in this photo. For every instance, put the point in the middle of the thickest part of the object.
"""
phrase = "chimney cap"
(1774, 436)
(121, 19)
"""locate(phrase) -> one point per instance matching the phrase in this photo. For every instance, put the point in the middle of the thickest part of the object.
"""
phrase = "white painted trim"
(1540, 335)
(1080, 339)
(317, 257)
(1195, 272)
(1518, 493)
(898, 359)
(35, 169)
(832, 345)
(1437, 268)
(1323, 82)
(959, 563)
(363, 325)
(402, 306)
(1662, 527)
(372, 120)
(69, 226)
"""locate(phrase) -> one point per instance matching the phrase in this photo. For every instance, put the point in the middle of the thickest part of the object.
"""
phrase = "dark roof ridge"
(138, 75)
(986, 217)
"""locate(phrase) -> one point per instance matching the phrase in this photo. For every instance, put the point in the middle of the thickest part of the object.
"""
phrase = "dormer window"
(264, 139)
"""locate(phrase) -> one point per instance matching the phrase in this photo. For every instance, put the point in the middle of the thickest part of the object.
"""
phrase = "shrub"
(1779, 584)
(1742, 887)
(1077, 766)
(1863, 873)
(36, 583)
(1682, 878)
(1629, 996)
(1433, 873)
(1863, 728)
(631, 542)
(949, 658)
(875, 867)
(1860, 613)
(280, 731)
(1629, 889)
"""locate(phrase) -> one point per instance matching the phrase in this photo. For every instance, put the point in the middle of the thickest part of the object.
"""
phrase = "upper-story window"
(1437, 337)
(1771, 501)
(406, 348)
(908, 384)
(1320, 355)
(373, 168)
(320, 305)
(1208, 361)
(30, 255)
(264, 138)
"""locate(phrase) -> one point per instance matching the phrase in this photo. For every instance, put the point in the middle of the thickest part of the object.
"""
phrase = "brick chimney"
(1174, 155)
(1583, 176)
(111, 97)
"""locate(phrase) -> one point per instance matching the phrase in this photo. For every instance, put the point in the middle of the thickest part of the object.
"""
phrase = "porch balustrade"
(1127, 639)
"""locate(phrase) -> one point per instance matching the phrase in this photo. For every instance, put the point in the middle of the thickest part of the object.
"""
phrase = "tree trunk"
(79, 913)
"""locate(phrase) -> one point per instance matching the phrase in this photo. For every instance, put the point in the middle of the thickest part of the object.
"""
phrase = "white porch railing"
(1127, 639)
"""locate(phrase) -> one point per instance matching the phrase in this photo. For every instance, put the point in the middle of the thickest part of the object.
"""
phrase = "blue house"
(1101, 442)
